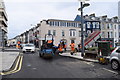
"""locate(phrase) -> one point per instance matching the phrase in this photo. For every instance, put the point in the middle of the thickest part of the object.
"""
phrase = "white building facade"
(62, 30)
(3, 24)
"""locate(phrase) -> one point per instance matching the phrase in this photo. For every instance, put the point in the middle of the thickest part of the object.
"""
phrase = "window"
(115, 34)
(103, 26)
(103, 34)
(67, 24)
(119, 26)
(71, 24)
(115, 26)
(63, 33)
(108, 26)
(72, 41)
(108, 35)
(62, 23)
(51, 23)
(72, 32)
(111, 25)
(119, 34)
(49, 31)
(88, 24)
(111, 34)
(56, 23)
(79, 25)
(74, 24)
(54, 32)
(93, 24)
(97, 25)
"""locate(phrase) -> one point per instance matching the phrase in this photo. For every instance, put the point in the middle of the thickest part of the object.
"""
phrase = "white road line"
(110, 71)
(89, 63)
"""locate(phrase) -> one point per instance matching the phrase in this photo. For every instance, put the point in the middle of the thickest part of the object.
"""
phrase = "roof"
(62, 20)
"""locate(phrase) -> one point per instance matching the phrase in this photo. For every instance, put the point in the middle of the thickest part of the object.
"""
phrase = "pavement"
(7, 59)
(77, 56)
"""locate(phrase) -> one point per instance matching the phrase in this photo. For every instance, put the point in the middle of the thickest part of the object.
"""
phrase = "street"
(61, 67)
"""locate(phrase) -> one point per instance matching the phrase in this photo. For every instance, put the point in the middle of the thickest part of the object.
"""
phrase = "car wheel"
(33, 51)
(23, 51)
(115, 65)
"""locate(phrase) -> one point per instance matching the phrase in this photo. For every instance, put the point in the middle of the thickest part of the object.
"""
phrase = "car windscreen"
(29, 45)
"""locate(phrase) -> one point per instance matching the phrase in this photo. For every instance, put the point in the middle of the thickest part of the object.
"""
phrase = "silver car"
(115, 59)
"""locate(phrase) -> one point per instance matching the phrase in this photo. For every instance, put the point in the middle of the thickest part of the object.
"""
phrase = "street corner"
(14, 67)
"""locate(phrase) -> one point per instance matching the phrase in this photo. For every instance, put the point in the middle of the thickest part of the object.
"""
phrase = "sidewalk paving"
(7, 59)
(77, 56)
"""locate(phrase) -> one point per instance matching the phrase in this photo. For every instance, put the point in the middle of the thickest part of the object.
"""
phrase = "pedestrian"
(60, 47)
(72, 45)
(65, 46)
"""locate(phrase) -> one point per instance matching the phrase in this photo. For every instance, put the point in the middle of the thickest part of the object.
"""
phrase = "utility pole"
(82, 32)
(82, 29)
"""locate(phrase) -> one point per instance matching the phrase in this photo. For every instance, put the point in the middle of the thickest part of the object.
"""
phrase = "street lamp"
(83, 4)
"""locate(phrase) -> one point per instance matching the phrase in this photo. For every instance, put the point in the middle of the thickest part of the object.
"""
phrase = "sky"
(24, 13)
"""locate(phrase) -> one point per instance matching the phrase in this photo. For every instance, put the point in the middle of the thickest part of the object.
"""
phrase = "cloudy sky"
(23, 13)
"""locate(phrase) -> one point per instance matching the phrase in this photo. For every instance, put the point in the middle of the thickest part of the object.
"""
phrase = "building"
(11, 42)
(92, 29)
(95, 29)
(62, 30)
(3, 25)
(110, 29)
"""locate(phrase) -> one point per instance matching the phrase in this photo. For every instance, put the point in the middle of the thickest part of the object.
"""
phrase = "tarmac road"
(61, 67)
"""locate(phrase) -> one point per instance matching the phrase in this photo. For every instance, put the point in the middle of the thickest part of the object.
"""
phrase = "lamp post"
(82, 32)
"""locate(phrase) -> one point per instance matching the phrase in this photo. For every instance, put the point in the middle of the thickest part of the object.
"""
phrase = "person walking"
(65, 46)
(72, 45)
(60, 47)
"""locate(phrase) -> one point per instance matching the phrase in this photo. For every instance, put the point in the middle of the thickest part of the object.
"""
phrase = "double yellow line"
(17, 67)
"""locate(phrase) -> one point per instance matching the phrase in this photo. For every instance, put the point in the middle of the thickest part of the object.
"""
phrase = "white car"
(28, 48)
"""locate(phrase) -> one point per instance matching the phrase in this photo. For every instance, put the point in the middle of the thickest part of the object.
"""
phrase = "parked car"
(28, 48)
(115, 58)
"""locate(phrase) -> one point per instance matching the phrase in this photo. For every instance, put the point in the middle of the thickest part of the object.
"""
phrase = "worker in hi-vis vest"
(72, 45)
(60, 47)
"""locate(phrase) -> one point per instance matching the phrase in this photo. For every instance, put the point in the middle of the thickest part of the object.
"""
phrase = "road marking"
(110, 71)
(3, 73)
(20, 66)
(89, 63)
(17, 67)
